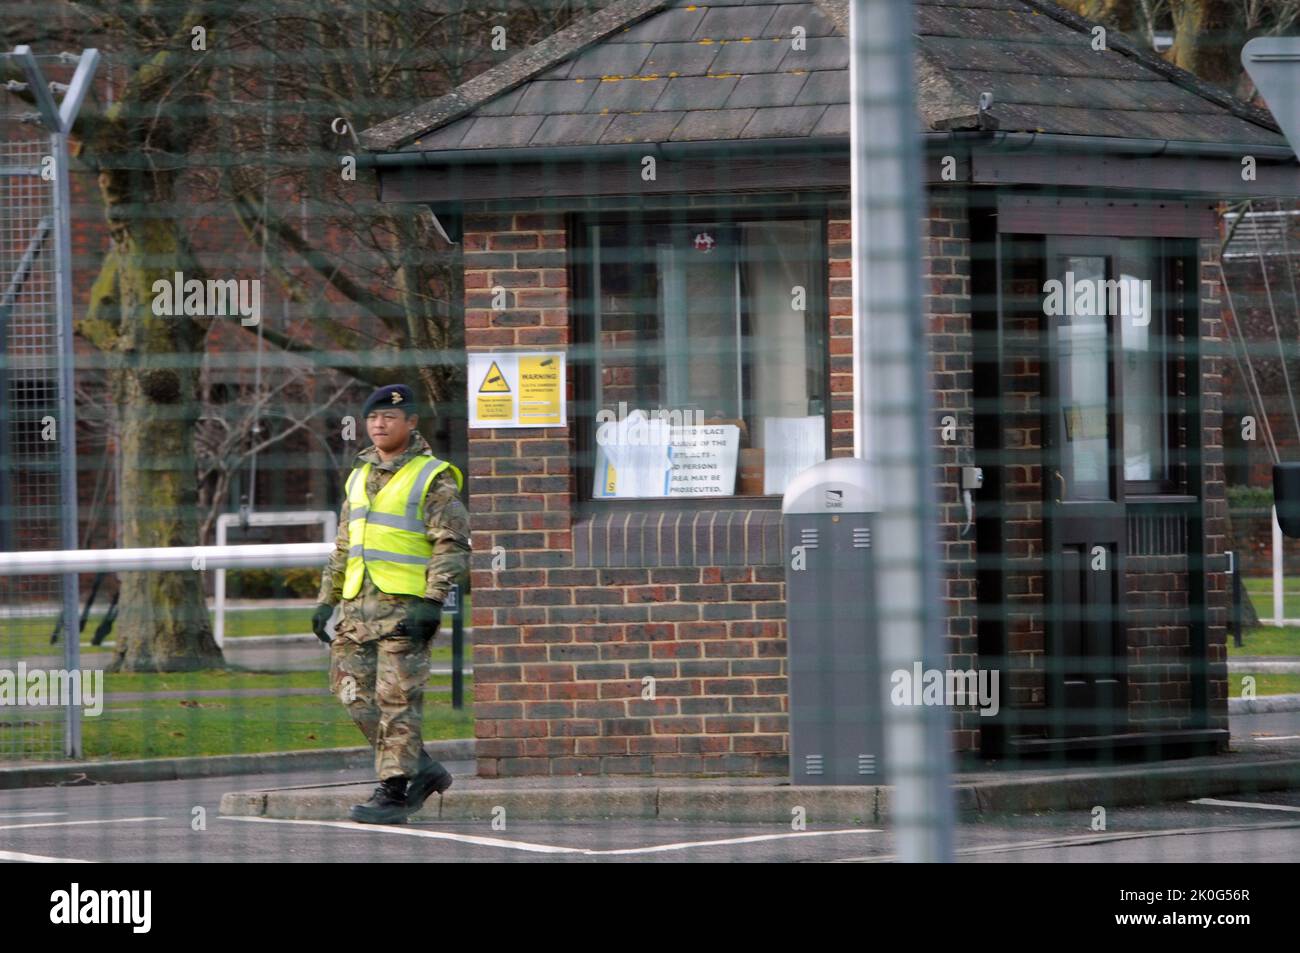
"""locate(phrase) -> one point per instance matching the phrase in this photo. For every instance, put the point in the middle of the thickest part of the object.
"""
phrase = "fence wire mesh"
(610, 249)
(30, 513)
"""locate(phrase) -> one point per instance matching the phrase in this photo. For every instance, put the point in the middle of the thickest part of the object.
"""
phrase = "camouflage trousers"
(381, 683)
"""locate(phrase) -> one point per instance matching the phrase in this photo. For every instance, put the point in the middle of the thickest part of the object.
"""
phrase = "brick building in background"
(295, 473)
(1091, 575)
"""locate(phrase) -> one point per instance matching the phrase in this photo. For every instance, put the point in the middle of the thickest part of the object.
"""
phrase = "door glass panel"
(1145, 439)
(1083, 360)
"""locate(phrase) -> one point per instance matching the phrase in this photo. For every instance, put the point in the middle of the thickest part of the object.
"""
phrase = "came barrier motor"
(836, 689)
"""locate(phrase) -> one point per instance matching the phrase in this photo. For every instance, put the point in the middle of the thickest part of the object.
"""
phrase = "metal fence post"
(59, 119)
(453, 605)
(891, 407)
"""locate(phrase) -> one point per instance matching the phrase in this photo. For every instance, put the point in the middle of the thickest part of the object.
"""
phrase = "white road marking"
(9, 814)
(1277, 738)
(411, 832)
(1263, 807)
(752, 839)
(108, 820)
(1081, 840)
(547, 848)
(21, 858)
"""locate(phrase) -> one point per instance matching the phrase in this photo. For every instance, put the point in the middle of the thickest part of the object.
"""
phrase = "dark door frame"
(1001, 235)
(1085, 657)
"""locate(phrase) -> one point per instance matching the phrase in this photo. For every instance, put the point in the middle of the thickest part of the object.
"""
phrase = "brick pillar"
(839, 336)
(519, 504)
(1214, 346)
(946, 310)
(946, 306)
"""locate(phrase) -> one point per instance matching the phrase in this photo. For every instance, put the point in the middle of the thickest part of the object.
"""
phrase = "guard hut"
(655, 200)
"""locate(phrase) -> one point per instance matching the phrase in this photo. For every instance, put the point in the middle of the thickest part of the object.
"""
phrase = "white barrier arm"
(164, 559)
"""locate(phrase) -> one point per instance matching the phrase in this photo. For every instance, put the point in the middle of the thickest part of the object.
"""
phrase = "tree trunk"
(1121, 14)
(163, 624)
(1205, 38)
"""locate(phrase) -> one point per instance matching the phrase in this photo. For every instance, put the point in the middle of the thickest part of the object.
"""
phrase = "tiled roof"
(674, 71)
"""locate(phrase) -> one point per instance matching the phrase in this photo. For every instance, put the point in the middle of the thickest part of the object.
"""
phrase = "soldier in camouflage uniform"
(379, 658)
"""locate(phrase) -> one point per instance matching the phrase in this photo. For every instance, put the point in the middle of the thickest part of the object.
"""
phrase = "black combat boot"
(431, 777)
(386, 806)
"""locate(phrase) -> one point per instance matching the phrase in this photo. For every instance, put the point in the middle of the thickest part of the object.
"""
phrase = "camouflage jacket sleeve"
(446, 523)
(331, 579)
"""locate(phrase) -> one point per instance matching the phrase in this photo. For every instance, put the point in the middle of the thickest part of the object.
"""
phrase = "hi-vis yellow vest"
(386, 534)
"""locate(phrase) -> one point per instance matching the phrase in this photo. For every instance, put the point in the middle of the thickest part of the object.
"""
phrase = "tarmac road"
(178, 821)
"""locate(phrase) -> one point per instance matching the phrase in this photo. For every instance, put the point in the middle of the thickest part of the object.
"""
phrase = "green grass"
(1260, 591)
(230, 724)
(215, 726)
(216, 679)
(1265, 684)
(20, 638)
(1267, 640)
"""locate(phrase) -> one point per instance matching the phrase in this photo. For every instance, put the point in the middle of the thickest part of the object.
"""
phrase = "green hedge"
(298, 583)
(1250, 497)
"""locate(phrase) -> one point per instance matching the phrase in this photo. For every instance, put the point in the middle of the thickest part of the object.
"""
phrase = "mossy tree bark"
(139, 151)
(163, 622)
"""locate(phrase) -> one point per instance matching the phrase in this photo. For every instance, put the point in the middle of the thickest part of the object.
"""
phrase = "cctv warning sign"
(494, 382)
(540, 390)
(516, 389)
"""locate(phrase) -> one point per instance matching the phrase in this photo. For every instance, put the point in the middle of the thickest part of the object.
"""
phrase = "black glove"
(318, 620)
(422, 619)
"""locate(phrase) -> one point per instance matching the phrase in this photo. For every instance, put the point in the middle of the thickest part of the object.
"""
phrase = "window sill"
(685, 504)
(747, 532)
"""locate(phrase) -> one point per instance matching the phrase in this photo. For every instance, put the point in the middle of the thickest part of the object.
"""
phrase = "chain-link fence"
(853, 413)
(30, 510)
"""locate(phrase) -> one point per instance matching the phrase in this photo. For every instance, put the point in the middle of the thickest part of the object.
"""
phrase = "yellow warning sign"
(493, 407)
(494, 382)
(540, 389)
(516, 388)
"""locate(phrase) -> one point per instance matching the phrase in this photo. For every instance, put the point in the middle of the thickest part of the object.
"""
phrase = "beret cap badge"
(395, 396)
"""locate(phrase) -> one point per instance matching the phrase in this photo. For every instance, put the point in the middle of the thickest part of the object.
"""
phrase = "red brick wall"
(565, 633)
(560, 649)
(1214, 349)
(947, 309)
(1022, 438)
(567, 630)
(945, 234)
(839, 250)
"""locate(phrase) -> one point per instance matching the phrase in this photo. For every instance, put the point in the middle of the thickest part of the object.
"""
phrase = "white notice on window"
(632, 457)
(704, 460)
(640, 457)
(790, 444)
